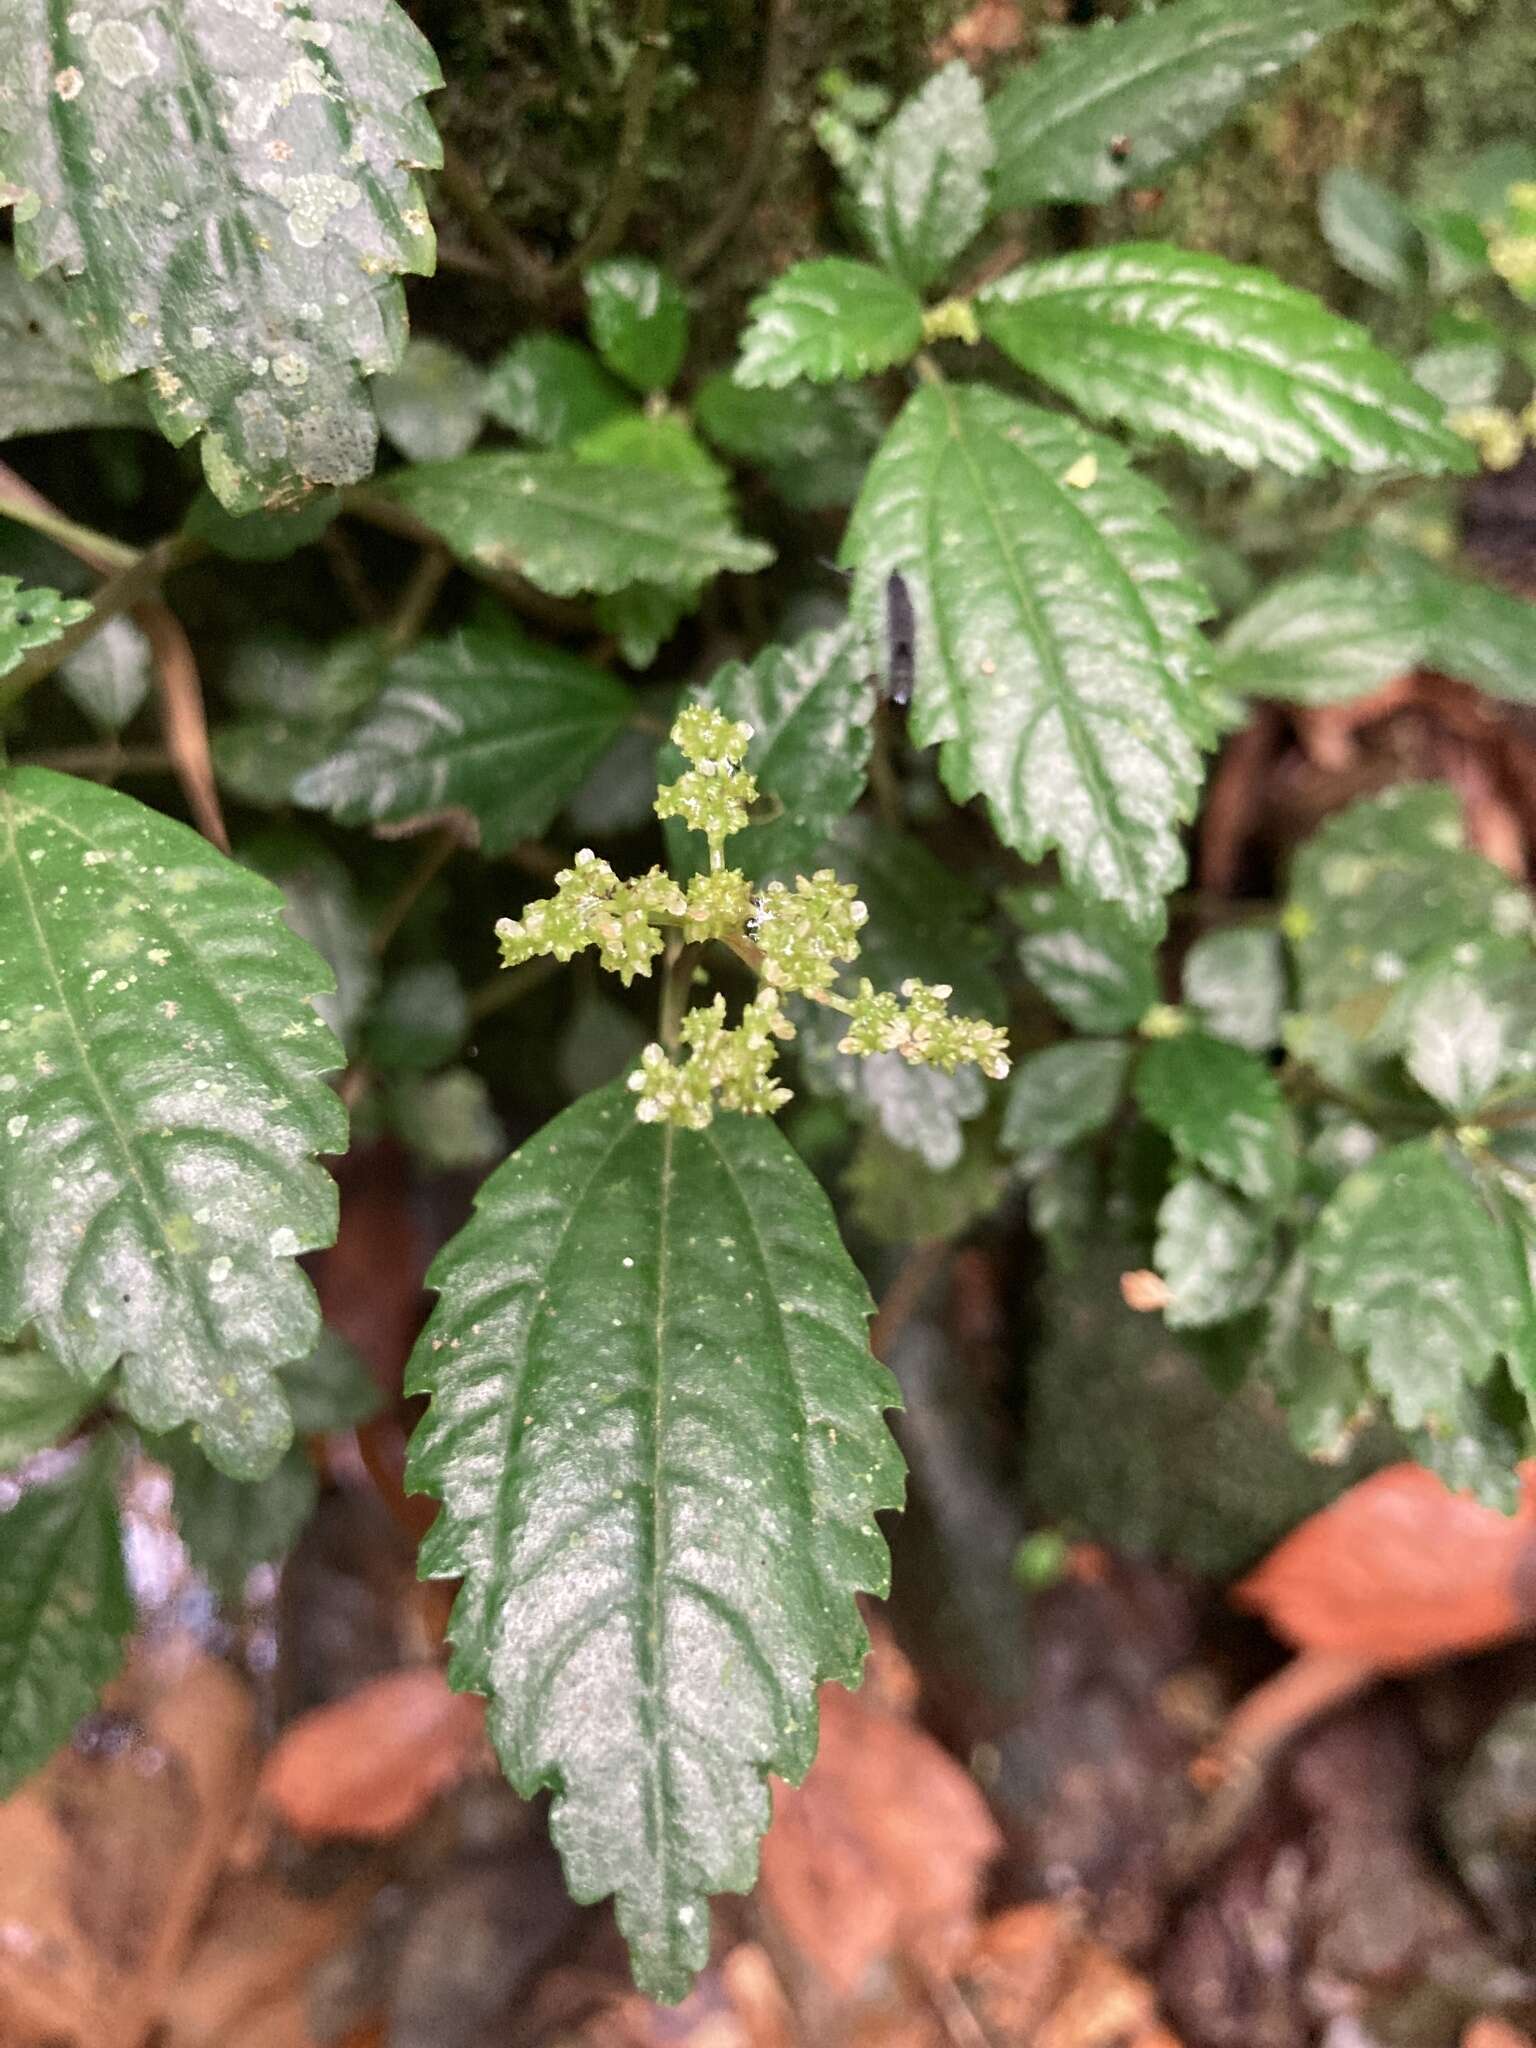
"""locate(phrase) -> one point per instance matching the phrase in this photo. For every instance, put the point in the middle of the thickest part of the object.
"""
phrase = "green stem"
(27, 507)
(681, 960)
(131, 586)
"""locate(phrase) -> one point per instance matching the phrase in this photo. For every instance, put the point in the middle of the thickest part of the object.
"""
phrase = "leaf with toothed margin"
(64, 1608)
(228, 188)
(571, 526)
(655, 1428)
(1177, 343)
(829, 320)
(161, 1101)
(1059, 657)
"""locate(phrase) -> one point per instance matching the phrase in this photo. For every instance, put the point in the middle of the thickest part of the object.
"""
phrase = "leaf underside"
(655, 1428)
(160, 1103)
(228, 188)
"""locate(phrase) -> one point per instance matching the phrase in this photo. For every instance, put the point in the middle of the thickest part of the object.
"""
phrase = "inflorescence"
(797, 940)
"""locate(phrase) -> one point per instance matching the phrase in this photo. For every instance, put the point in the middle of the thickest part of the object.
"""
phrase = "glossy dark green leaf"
(826, 320)
(230, 1525)
(1383, 887)
(809, 706)
(1473, 1447)
(922, 195)
(1370, 231)
(661, 441)
(433, 406)
(47, 384)
(161, 1101)
(1061, 1095)
(125, 140)
(485, 724)
(1106, 107)
(638, 320)
(642, 617)
(39, 1402)
(1214, 1250)
(1087, 962)
(1174, 342)
(1224, 1111)
(1234, 982)
(33, 618)
(655, 1427)
(552, 391)
(571, 526)
(1420, 1276)
(64, 1609)
(1058, 648)
(813, 441)
(1322, 638)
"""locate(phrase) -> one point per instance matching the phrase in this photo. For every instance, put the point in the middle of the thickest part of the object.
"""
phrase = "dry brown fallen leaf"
(108, 1855)
(251, 1960)
(1034, 1976)
(987, 30)
(1400, 1572)
(882, 1850)
(371, 1764)
(1492, 2033)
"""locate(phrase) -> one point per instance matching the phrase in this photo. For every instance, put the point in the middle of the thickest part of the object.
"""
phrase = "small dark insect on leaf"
(1119, 148)
(900, 640)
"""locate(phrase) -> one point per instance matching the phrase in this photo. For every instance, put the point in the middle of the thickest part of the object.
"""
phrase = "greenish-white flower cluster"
(797, 939)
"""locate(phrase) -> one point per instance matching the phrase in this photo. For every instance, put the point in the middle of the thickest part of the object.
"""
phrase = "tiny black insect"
(1119, 148)
(900, 640)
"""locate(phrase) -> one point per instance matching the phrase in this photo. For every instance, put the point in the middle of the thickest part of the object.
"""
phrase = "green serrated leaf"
(639, 321)
(64, 1609)
(896, 1196)
(1419, 1276)
(1471, 630)
(655, 1428)
(1370, 231)
(295, 135)
(663, 442)
(643, 617)
(1317, 1387)
(922, 195)
(1058, 645)
(433, 406)
(1224, 1111)
(1106, 107)
(571, 526)
(1322, 638)
(321, 904)
(160, 1103)
(827, 320)
(552, 391)
(485, 724)
(1087, 962)
(47, 384)
(33, 618)
(1173, 342)
(1235, 983)
(39, 1403)
(814, 441)
(1061, 1095)
(1473, 1448)
(1383, 887)
(299, 702)
(809, 706)
(228, 1525)
(1214, 1250)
